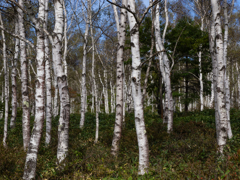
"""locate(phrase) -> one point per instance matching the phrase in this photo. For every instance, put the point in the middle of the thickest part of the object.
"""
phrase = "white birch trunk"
(151, 52)
(84, 90)
(222, 134)
(14, 78)
(48, 81)
(212, 92)
(165, 71)
(200, 71)
(24, 80)
(6, 84)
(106, 91)
(94, 78)
(137, 94)
(56, 99)
(226, 80)
(63, 124)
(119, 81)
(31, 159)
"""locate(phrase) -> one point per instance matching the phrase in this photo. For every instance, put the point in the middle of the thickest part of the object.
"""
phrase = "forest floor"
(187, 153)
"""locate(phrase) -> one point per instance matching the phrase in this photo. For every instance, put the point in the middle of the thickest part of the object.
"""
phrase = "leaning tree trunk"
(137, 94)
(221, 107)
(14, 78)
(165, 71)
(31, 159)
(119, 80)
(48, 81)
(84, 90)
(24, 80)
(6, 84)
(63, 124)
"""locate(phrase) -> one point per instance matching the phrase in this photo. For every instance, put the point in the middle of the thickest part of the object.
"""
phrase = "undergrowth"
(187, 153)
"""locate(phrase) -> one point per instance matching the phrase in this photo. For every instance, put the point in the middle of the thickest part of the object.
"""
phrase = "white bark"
(14, 78)
(24, 80)
(165, 71)
(167, 20)
(119, 81)
(65, 40)
(56, 99)
(84, 90)
(222, 137)
(200, 71)
(48, 81)
(151, 52)
(226, 80)
(94, 79)
(63, 124)
(137, 94)
(106, 91)
(31, 159)
(6, 84)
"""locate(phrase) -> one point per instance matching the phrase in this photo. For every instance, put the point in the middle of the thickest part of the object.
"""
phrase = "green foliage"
(188, 153)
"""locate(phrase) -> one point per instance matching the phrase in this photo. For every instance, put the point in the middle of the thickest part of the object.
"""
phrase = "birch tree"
(48, 81)
(14, 78)
(6, 84)
(24, 80)
(31, 159)
(165, 72)
(220, 89)
(63, 125)
(136, 92)
(225, 46)
(119, 80)
(84, 90)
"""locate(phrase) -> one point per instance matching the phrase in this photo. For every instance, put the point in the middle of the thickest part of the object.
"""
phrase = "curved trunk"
(165, 71)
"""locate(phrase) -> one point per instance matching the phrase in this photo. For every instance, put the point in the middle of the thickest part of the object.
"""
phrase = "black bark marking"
(134, 79)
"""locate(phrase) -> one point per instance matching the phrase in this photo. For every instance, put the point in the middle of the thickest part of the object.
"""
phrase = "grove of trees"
(64, 58)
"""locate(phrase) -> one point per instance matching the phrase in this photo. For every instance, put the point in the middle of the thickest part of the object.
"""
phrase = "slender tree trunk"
(137, 94)
(6, 84)
(56, 99)
(14, 79)
(226, 80)
(84, 90)
(94, 78)
(106, 91)
(218, 38)
(48, 81)
(214, 75)
(150, 61)
(63, 124)
(165, 71)
(24, 80)
(31, 159)
(200, 71)
(119, 81)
